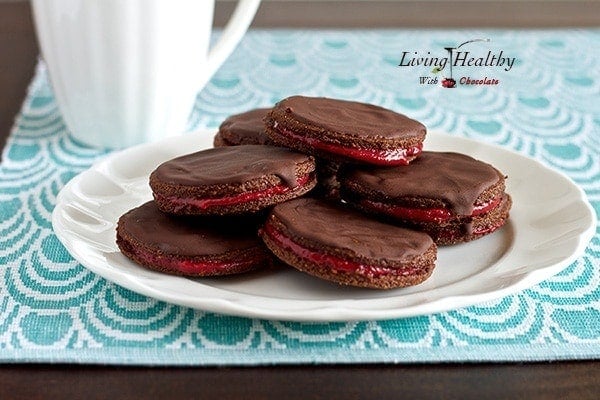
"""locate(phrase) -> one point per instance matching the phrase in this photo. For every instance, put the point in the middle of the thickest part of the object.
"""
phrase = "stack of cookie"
(338, 189)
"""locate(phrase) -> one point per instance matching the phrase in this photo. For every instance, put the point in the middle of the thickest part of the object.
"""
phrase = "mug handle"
(234, 31)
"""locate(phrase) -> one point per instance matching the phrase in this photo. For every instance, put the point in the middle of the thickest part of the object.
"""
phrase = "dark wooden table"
(559, 380)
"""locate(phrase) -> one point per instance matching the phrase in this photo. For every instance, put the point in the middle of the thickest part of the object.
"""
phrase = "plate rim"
(311, 311)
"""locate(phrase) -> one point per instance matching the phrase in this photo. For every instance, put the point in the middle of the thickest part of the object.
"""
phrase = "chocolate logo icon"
(448, 83)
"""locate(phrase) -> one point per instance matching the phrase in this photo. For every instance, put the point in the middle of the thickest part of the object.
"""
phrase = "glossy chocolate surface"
(245, 128)
(231, 165)
(334, 226)
(188, 236)
(456, 179)
(351, 118)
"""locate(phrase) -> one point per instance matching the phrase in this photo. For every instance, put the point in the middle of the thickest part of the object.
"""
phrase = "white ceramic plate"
(551, 222)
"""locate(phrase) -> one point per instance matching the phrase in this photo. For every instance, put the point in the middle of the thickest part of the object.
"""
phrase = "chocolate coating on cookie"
(455, 179)
(244, 128)
(231, 180)
(184, 236)
(345, 131)
(332, 242)
(351, 117)
(194, 246)
(231, 165)
(332, 226)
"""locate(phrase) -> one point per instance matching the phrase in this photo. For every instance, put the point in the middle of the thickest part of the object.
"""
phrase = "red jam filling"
(240, 198)
(427, 214)
(191, 267)
(330, 261)
(371, 156)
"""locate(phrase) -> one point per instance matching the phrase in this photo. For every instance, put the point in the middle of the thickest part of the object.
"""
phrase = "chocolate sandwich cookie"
(231, 180)
(341, 245)
(341, 130)
(191, 246)
(453, 197)
(244, 128)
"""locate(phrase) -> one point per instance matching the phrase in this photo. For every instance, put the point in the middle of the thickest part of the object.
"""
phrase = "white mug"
(128, 71)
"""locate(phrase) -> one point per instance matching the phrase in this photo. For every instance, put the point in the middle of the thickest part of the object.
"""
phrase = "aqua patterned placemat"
(547, 106)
